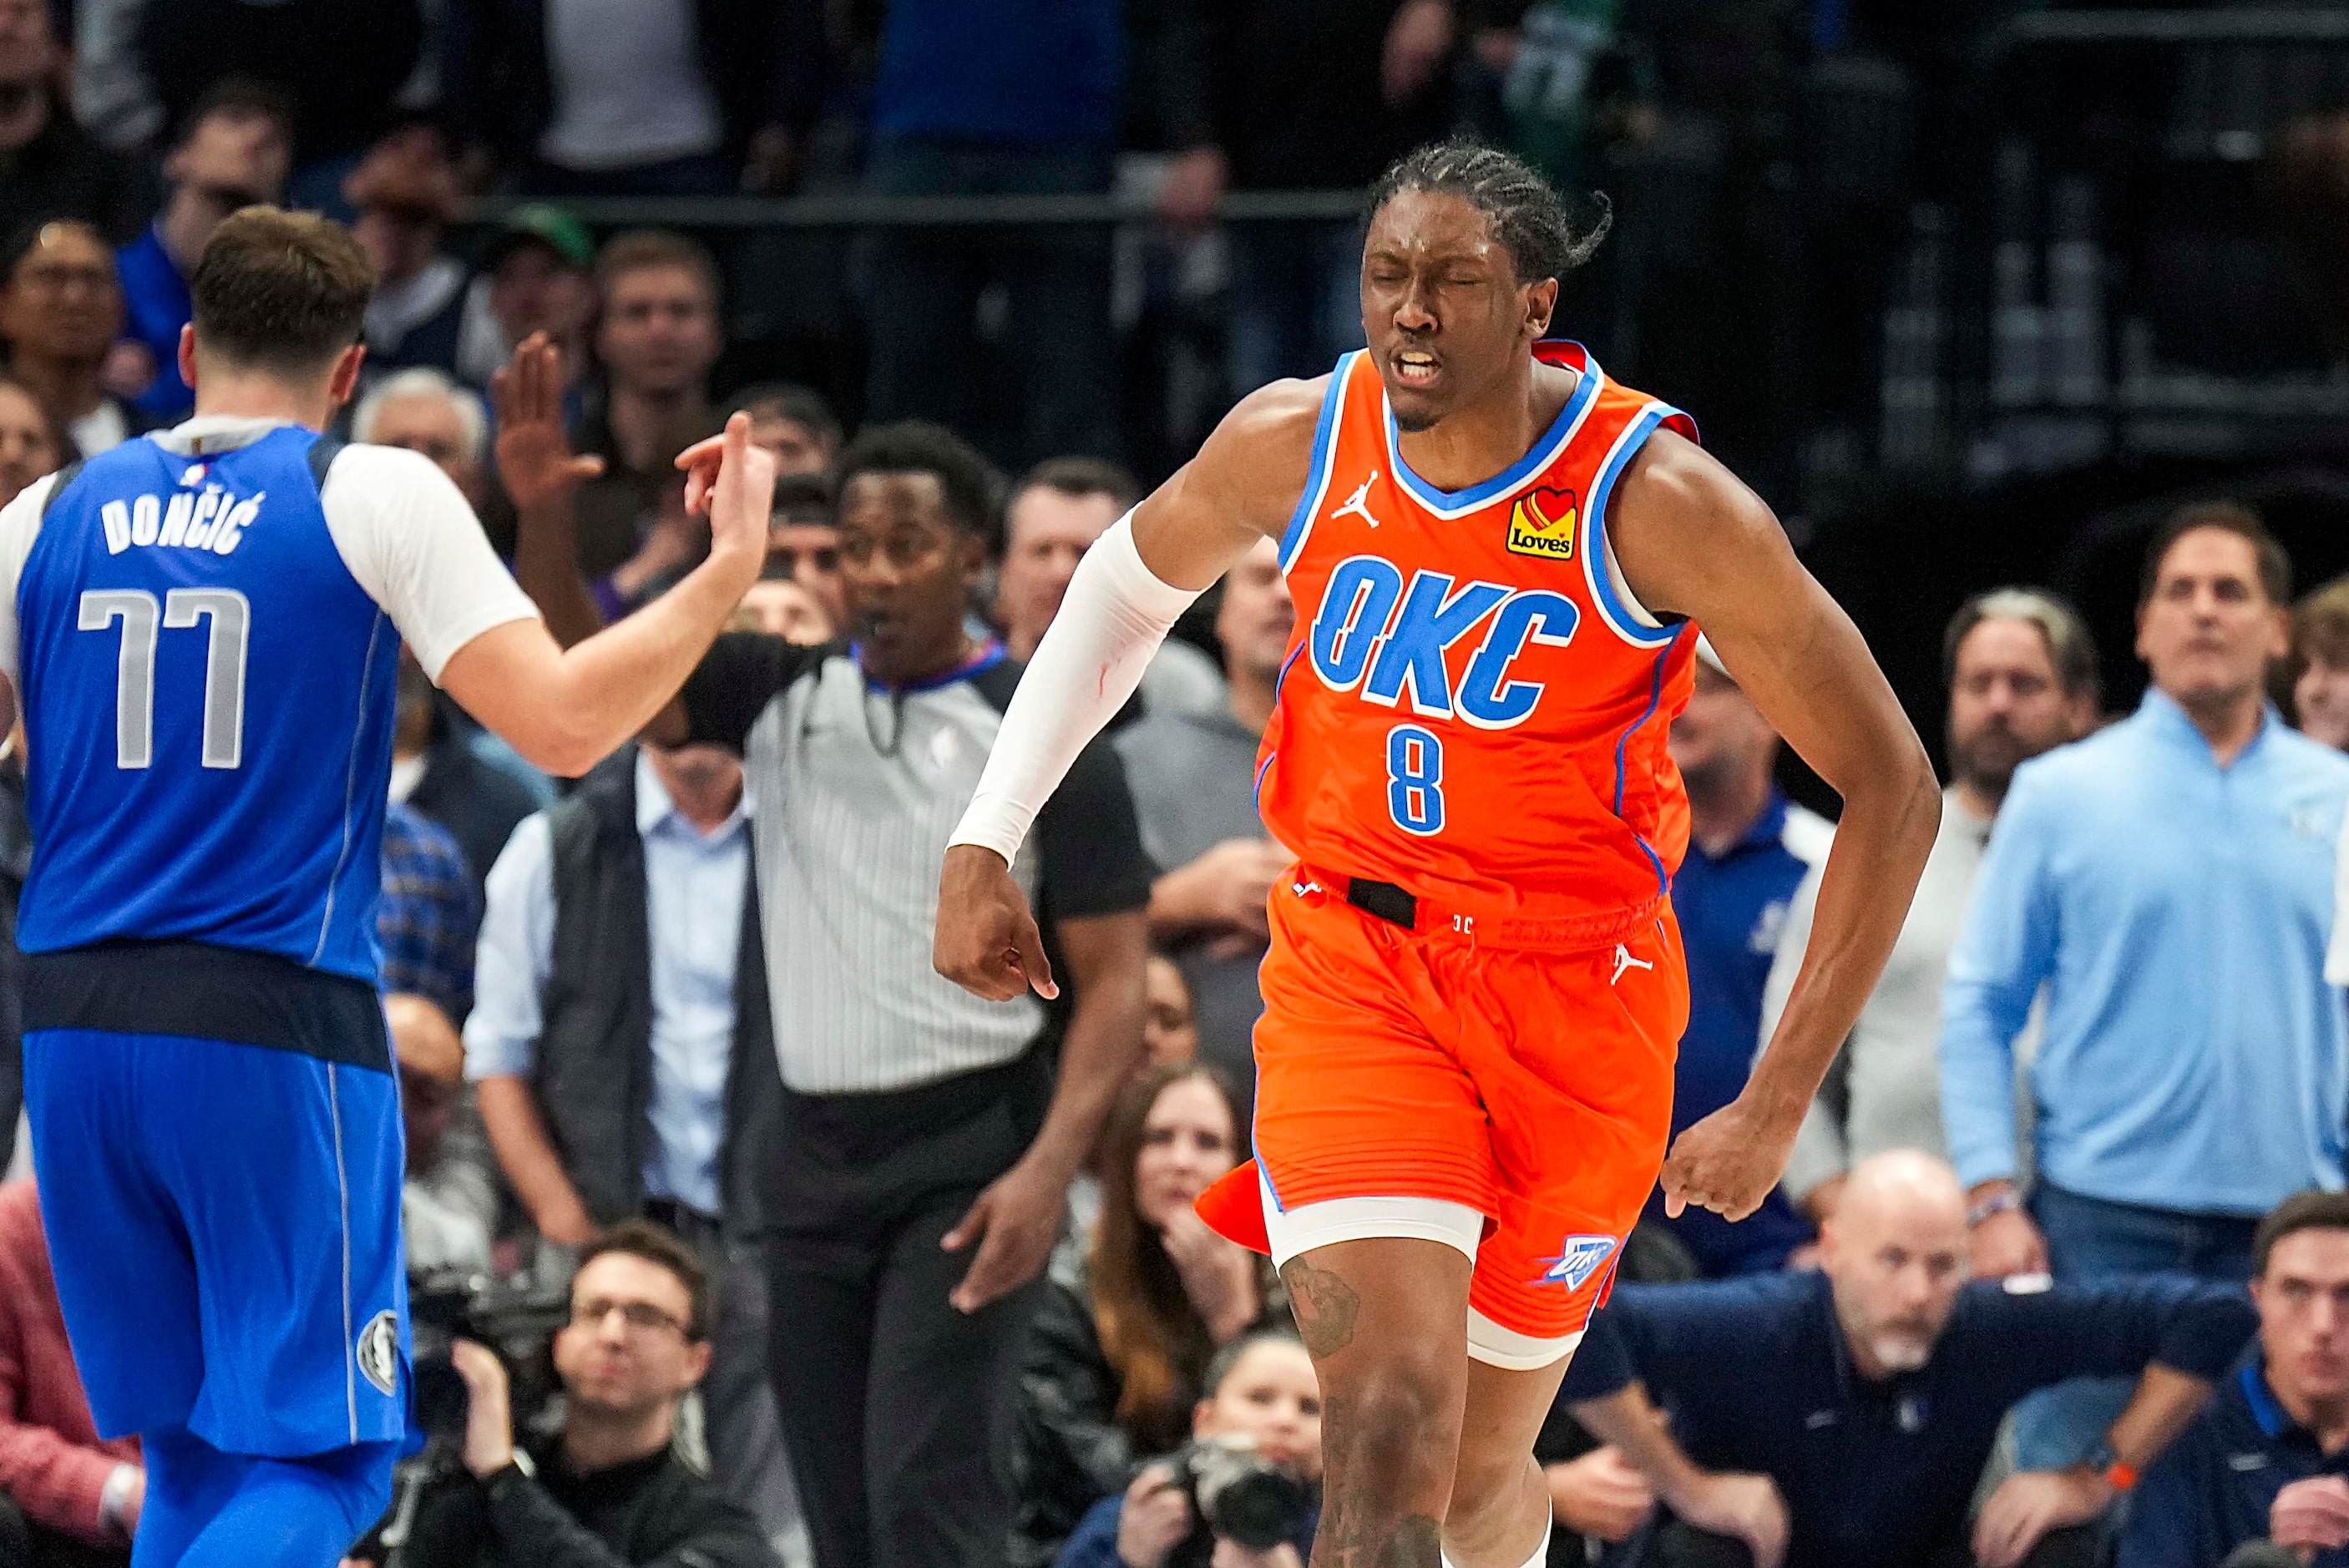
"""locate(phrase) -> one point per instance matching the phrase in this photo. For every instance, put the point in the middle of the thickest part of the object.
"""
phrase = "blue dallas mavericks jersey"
(209, 699)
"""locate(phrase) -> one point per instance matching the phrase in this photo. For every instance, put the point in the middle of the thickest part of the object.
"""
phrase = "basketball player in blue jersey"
(202, 628)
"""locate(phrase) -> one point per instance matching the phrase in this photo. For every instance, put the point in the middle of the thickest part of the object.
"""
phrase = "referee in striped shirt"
(929, 1137)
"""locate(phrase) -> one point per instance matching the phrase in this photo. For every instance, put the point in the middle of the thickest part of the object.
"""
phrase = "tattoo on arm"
(1325, 1304)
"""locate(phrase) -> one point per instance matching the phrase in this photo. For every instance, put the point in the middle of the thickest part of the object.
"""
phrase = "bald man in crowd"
(1842, 1416)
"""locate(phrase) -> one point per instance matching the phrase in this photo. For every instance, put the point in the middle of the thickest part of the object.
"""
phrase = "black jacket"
(592, 1077)
(651, 1510)
(765, 61)
(467, 796)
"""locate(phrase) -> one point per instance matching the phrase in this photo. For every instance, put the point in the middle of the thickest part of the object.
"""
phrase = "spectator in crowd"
(1170, 1026)
(429, 912)
(1057, 510)
(234, 152)
(422, 409)
(1749, 848)
(794, 423)
(2191, 1077)
(803, 543)
(607, 1490)
(1319, 98)
(31, 443)
(781, 608)
(448, 1201)
(642, 98)
(620, 1043)
(49, 167)
(60, 311)
(2021, 673)
(404, 193)
(1021, 98)
(657, 335)
(1120, 1351)
(1841, 1416)
(1261, 1393)
(1194, 778)
(459, 776)
(2264, 1461)
(928, 1140)
(536, 277)
(337, 70)
(68, 1500)
(2320, 648)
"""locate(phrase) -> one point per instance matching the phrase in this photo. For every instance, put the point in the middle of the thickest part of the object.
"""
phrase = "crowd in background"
(857, 1270)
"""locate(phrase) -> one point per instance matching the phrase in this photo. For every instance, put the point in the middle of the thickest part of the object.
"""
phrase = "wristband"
(2120, 1476)
(111, 1498)
(2003, 1203)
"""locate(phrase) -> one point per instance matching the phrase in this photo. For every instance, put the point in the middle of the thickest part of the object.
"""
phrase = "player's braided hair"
(1527, 217)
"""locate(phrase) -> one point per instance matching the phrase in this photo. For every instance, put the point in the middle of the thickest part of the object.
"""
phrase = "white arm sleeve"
(413, 545)
(1116, 614)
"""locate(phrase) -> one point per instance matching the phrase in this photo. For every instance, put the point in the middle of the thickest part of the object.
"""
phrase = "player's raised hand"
(535, 462)
(987, 941)
(734, 482)
(1729, 1161)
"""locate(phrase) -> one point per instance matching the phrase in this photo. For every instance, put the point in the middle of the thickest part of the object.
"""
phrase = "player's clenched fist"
(987, 941)
(1729, 1161)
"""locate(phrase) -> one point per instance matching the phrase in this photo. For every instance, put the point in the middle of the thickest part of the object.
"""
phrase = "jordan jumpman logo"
(1356, 505)
(1623, 960)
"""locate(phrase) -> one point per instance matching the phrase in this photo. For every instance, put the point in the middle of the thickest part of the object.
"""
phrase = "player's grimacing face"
(1442, 311)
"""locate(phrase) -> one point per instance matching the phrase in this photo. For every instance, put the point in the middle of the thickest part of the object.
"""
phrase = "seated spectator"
(2022, 671)
(2320, 648)
(794, 423)
(781, 608)
(534, 278)
(621, 1043)
(605, 1490)
(1193, 776)
(422, 409)
(1121, 1347)
(60, 311)
(2268, 1459)
(1170, 1028)
(1841, 1417)
(1261, 1394)
(449, 1205)
(460, 776)
(405, 192)
(49, 167)
(67, 1499)
(1056, 512)
(429, 913)
(234, 152)
(31, 443)
(804, 542)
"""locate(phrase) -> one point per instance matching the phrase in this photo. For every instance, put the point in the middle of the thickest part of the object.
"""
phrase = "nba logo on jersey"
(1578, 1257)
(1543, 523)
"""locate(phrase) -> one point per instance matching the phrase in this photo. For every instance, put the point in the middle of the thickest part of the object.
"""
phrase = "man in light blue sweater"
(2169, 882)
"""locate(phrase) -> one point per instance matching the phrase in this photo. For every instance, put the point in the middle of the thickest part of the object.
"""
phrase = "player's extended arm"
(1694, 541)
(565, 710)
(1127, 592)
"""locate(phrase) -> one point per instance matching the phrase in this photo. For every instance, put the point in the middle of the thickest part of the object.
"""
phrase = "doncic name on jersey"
(210, 520)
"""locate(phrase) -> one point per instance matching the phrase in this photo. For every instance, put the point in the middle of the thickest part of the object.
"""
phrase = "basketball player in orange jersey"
(1464, 1066)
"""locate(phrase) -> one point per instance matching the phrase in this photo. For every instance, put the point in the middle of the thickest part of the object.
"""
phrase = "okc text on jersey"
(1374, 632)
(213, 521)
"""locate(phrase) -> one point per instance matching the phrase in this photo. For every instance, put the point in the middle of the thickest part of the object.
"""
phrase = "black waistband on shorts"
(208, 993)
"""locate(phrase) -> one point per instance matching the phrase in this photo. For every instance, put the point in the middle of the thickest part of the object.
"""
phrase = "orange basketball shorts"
(1530, 1084)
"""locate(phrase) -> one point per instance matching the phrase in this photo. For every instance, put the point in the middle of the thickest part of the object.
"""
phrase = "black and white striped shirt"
(855, 790)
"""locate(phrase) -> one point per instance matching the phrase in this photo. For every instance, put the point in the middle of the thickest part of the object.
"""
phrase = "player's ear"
(1541, 305)
(345, 379)
(188, 355)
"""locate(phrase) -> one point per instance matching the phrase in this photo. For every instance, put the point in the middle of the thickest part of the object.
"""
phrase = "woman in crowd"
(1261, 1396)
(1122, 1346)
(31, 444)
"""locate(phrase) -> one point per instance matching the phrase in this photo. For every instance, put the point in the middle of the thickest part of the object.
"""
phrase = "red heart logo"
(1547, 509)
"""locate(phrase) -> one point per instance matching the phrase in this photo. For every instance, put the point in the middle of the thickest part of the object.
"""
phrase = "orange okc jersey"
(1472, 707)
